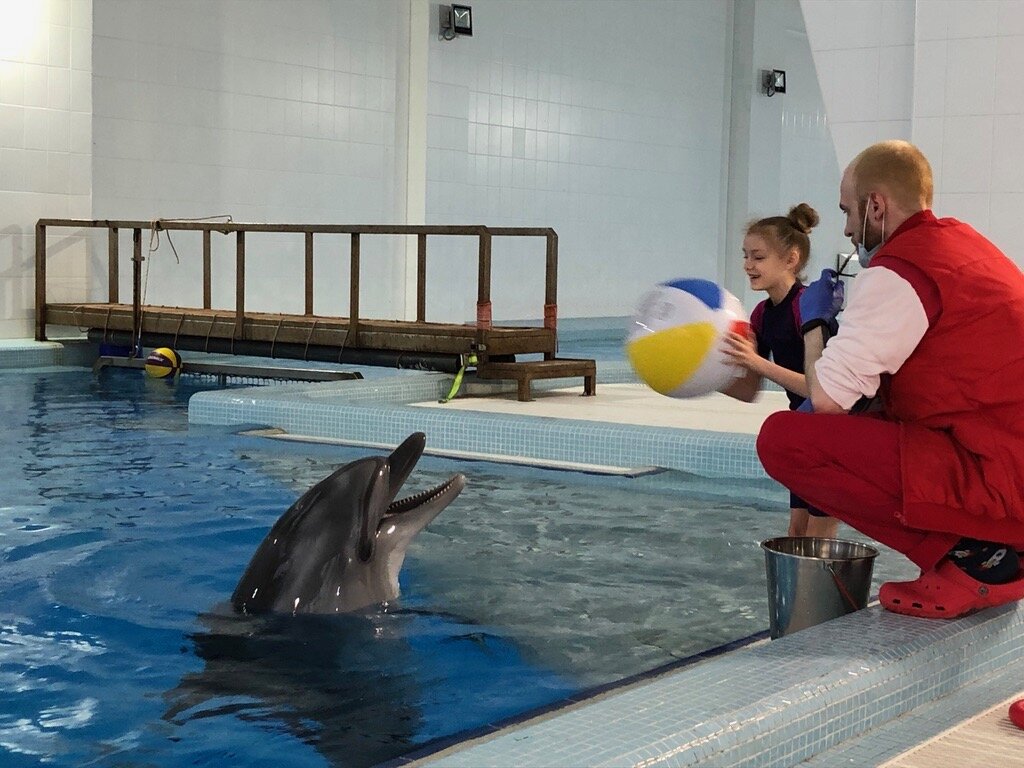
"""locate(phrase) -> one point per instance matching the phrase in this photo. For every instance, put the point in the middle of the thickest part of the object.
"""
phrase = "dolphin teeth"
(411, 502)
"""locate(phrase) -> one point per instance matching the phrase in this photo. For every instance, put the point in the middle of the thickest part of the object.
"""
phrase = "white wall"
(45, 146)
(969, 112)
(945, 74)
(782, 142)
(608, 120)
(603, 119)
(268, 111)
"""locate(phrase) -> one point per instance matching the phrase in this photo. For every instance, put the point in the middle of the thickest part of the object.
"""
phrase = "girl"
(775, 252)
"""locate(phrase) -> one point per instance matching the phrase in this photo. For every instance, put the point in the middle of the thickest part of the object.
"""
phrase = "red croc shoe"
(946, 592)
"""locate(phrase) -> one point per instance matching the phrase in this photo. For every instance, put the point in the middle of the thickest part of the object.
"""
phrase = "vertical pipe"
(113, 292)
(239, 282)
(40, 282)
(207, 268)
(421, 278)
(136, 291)
(353, 291)
(309, 273)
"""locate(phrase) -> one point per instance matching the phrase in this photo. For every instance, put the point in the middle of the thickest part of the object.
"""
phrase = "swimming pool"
(124, 531)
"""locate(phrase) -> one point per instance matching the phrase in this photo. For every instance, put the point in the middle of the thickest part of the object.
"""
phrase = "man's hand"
(821, 301)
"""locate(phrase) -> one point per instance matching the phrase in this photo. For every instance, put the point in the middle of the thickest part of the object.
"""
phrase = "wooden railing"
(483, 234)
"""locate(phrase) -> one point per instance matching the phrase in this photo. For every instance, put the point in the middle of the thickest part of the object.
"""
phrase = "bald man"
(935, 328)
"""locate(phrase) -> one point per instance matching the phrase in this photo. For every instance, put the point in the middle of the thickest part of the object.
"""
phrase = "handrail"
(422, 232)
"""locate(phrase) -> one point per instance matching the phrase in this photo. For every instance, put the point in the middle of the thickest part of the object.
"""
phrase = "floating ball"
(162, 362)
(674, 341)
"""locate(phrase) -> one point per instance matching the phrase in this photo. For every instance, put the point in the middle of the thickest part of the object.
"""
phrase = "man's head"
(884, 186)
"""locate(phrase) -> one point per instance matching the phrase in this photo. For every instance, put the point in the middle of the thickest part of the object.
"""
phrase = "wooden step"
(525, 372)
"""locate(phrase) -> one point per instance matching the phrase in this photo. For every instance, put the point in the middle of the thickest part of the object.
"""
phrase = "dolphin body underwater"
(340, 547)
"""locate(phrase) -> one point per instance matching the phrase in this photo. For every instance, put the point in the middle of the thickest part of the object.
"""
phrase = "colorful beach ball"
(674, 341)
(163, 361)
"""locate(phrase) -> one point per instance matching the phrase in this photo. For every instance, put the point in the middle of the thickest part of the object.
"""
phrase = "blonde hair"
(899, 168)
(784, 233)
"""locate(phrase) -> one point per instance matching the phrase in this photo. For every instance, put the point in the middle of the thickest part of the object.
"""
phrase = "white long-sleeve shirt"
(882, 324)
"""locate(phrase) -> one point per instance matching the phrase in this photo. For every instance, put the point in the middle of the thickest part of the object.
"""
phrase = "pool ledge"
(379, 411)
(770, 704)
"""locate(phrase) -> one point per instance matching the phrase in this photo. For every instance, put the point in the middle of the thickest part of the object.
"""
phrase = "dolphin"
(340, 547)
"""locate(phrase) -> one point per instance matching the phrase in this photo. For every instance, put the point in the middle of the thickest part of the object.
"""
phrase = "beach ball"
(162, 362)
(674, 341)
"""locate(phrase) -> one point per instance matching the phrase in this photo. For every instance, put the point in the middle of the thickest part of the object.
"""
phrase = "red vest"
(960, 396)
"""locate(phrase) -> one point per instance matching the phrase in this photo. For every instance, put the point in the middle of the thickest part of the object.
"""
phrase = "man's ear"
(876, 205)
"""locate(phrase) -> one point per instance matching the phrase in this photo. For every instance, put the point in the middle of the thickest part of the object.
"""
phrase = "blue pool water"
(122, 532)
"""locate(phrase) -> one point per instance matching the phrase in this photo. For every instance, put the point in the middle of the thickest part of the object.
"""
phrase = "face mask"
(864, 256)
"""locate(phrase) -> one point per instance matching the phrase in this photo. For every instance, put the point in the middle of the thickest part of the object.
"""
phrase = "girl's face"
(766, 267)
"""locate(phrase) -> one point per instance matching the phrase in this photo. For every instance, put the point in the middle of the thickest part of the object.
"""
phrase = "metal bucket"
(813, 580)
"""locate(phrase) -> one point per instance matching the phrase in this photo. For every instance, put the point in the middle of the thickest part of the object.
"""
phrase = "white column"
(411, 138)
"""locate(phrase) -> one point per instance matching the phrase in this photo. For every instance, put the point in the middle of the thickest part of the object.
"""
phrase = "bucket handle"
(841, 587)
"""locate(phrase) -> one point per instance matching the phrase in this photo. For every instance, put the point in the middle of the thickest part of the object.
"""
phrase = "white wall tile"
(1008, 154)
(1011, 17)
(927, 134)
(970, 76)
(930, 78)
(932, 19)
(1009, 70)
(976, 18)
(895, 82)
(1004, 224)
(972, 208)
(897, 23)
(967, 155)
(856, 22)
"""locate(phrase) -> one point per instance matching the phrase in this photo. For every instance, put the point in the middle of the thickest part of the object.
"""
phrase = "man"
(936, 329)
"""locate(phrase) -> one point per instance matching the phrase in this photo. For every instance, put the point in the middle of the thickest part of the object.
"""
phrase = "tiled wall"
(864, 52)
(270, 111)
(604, 119)
(601, 118)
(945, 74)
(969, 112)
(788, 156)
(45, 147)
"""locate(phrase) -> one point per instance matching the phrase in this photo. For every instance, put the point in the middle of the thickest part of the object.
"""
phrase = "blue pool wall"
(803, 697)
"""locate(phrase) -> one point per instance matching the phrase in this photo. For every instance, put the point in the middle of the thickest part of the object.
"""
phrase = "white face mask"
(864, 256)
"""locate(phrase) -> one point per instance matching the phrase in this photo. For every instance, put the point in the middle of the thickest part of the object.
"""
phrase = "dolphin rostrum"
(341, 545)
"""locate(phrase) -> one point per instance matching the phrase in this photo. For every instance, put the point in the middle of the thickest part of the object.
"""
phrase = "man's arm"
(885, 319)
(814, 345)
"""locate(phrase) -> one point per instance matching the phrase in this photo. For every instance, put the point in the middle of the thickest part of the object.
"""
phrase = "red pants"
(849, 467)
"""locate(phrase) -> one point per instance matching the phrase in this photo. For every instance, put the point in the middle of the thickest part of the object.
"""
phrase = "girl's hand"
(741, 351)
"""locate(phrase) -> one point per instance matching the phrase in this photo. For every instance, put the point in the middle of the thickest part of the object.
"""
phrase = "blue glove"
(821, 301)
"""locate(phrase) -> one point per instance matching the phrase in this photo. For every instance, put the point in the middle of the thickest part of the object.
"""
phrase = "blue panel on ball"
(705, 290)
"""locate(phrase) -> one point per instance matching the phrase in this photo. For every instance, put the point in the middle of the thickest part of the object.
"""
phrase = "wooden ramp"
(353, 339)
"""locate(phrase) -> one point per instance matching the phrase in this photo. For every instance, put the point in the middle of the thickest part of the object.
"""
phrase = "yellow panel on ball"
(667, 359)
(162, 362)
(675, 339)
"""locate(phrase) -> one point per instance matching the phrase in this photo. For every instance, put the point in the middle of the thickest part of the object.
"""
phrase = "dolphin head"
(341, 546)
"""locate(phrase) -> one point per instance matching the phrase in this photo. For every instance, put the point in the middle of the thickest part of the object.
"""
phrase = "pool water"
(124, 531)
